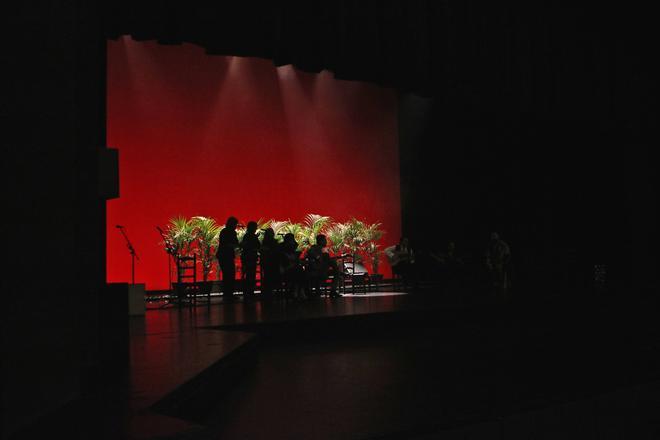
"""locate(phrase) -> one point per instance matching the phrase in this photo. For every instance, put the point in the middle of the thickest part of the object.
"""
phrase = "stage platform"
(183, 358)
(413, 365)
(367, 360)
(256, 313)
(180, 353)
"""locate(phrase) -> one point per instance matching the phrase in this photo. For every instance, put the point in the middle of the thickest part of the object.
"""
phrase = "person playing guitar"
(400, 253)
(320, 265)
(401, 257)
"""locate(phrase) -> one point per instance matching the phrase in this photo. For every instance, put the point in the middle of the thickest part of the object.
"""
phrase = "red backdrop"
(219, 136)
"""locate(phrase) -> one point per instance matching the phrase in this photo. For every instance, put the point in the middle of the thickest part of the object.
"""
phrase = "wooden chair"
(186, 287)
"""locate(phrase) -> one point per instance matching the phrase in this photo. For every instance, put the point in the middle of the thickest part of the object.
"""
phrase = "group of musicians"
(281, 263)
(282, 266)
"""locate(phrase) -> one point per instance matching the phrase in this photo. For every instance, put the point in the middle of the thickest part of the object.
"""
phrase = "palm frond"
(335, 234)
(207, 229)
(181, 234)
(372, 232)
(240, 233)
(316, 222)
(278, 226)
(263, 224)
(207, 232)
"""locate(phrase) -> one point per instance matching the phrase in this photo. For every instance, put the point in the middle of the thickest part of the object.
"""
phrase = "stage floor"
(385, 365)
(172, 347)
(422, 365)
(220, 315)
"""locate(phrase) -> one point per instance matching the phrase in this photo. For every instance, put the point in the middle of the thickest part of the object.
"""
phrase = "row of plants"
(198, 236)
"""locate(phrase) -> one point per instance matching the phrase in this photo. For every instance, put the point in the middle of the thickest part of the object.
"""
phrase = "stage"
(257, 312)
(183, 358)
(414, 365)
(381, 365)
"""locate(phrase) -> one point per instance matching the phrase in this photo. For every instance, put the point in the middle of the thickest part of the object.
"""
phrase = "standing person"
(270, 263)
(249, 255)
(498, 257)
(227, 245)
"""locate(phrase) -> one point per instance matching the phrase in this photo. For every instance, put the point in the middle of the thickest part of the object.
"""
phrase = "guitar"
(395, 256)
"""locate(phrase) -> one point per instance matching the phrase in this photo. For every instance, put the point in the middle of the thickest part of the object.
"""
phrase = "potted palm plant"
(206, 240)
(336, 233)
(314, 225)
(354, 236)
(180, 236)
(180, 239)
(372, 234)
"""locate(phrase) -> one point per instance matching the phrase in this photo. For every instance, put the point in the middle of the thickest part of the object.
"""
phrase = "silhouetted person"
(320, 266)
(290, 267)
(402, 259)
(227, 245)
(249, 256)
(270, 263)
(498, 257)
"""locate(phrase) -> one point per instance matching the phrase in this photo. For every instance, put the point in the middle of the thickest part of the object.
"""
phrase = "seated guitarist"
(291, 269)
(401, 257)
(320, 265)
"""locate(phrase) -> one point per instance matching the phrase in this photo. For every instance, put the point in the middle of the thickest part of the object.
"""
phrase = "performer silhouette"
(292, 271)
(270, 263)
(249, 255)
(402, 259)
(320, 266)
(226, 253)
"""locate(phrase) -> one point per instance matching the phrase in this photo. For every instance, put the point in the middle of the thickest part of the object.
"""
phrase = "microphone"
(119, 226)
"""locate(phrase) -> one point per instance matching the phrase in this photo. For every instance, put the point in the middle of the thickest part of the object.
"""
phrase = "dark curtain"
(542, 129)
(393, 43)
(535, 57)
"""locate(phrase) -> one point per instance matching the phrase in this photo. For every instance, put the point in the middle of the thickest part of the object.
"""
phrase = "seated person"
(291, 268)
(320, 266)
(402, 259)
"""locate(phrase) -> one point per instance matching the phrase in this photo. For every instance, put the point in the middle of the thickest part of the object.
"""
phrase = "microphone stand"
(132, 251)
